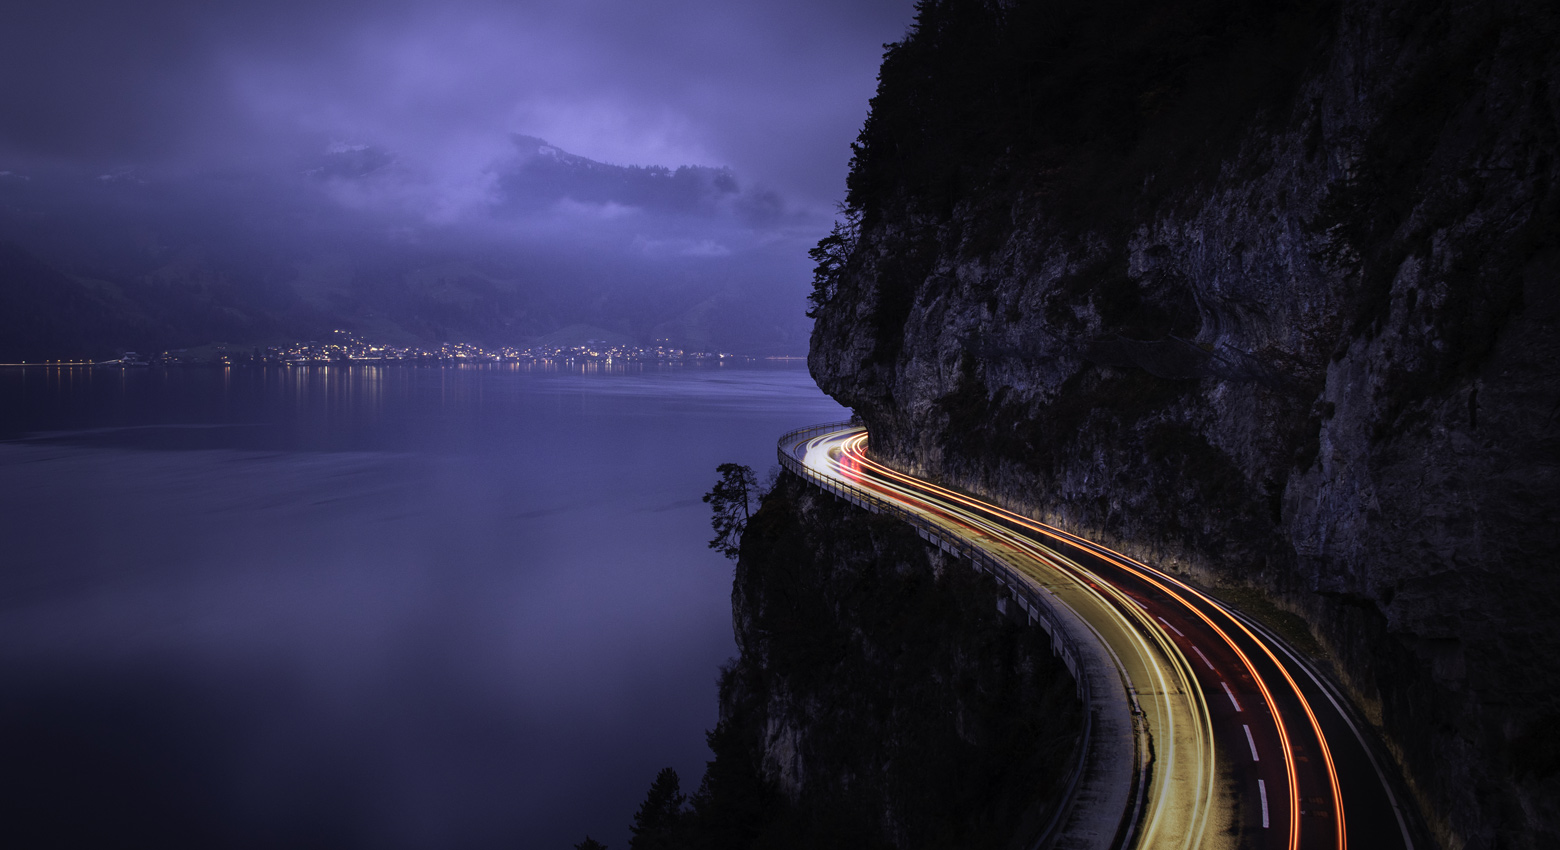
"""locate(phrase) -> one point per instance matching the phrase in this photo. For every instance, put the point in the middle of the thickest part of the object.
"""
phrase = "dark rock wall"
(1268, 296)
(879, 700)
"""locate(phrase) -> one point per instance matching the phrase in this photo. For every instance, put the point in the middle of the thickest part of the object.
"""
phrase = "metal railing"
(1034, 600)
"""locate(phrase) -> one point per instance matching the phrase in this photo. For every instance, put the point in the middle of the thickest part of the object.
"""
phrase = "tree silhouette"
(830, 256)
(590, 844)
(658, 825)
(731, 499)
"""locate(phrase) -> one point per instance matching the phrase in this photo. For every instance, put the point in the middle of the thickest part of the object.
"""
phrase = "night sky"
(773, 90)
(776, 90)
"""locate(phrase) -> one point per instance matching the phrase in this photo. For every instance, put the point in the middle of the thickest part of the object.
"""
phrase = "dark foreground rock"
(879, 700)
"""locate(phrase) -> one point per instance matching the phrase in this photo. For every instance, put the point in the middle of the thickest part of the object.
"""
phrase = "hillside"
(160, 260)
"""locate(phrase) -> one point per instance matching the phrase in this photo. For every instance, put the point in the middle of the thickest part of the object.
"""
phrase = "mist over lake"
(387, 607)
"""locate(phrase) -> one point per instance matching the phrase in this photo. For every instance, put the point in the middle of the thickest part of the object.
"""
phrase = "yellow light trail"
(1167, 753)
(1168, 758)
(854, 449)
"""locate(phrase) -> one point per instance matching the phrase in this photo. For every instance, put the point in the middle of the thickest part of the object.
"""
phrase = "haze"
(298, 165)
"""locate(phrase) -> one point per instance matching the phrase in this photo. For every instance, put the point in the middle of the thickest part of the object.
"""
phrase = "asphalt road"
(1243, 743)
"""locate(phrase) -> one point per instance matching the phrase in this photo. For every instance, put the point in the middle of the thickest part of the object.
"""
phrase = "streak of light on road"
(1140, 613)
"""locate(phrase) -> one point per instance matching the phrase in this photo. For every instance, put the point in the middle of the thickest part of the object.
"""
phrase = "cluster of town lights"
(344, 347)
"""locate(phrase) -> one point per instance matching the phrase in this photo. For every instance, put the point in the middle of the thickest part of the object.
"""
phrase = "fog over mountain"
(180, 173)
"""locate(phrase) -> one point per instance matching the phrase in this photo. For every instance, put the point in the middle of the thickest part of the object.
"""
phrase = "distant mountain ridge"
(96, 263)
(47, 315)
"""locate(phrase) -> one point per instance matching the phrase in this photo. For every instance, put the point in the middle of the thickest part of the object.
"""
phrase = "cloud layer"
(693, 152)
(774, 90)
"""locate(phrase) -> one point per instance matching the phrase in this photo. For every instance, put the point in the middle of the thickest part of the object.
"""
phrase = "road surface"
(1235, 740)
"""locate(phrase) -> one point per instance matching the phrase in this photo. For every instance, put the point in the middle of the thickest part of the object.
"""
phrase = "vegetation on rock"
(879, 701)
(1260, 292)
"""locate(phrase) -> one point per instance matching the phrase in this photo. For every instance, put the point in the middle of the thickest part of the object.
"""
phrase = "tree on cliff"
(658, 825)
(831, 254)
(731, 500)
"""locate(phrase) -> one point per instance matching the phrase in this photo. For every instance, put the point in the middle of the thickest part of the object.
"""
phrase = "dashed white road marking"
(1262, 792)
(1172, 628)
(1203, 657)
(1252, 743)
(1231, 694)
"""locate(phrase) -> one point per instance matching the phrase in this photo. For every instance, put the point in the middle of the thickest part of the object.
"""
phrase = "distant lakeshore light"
(345, 348)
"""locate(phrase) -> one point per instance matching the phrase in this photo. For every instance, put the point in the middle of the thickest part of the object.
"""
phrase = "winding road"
(1210, 731)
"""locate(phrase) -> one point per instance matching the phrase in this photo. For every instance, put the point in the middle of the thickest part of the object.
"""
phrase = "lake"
(364, 606)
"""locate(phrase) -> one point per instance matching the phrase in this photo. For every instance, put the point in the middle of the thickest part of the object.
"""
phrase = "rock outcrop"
(1265, 296)
(880, 699)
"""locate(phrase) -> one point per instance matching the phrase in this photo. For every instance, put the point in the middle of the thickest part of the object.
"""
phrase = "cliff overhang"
(1265, 296)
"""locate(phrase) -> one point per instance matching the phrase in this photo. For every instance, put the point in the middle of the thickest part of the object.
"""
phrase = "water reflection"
(363, 606)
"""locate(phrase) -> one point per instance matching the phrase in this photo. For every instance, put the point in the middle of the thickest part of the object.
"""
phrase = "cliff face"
(879, 700)
(1267, 297)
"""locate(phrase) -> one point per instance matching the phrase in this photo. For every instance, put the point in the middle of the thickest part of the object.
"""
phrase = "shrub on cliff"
(831, 255)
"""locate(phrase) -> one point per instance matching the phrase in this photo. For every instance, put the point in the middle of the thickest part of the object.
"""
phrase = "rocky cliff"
(880, 699)
(1265, 293)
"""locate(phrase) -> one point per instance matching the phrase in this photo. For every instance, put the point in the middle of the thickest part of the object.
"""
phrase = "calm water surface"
(363, 607)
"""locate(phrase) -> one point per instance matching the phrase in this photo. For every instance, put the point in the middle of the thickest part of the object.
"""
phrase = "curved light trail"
(1208, 721)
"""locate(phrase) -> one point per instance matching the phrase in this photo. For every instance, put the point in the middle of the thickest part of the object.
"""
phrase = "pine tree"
(658, 825)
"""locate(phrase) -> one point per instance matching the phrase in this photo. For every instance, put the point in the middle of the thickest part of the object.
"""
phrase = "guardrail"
(1032, 599)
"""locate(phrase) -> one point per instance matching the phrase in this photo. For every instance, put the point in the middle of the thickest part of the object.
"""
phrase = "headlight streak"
(1202, 763)
(1186, 680)
(854, 447)
(858, 448)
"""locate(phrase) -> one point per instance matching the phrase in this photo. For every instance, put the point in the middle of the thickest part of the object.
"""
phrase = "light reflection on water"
(365, 606)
